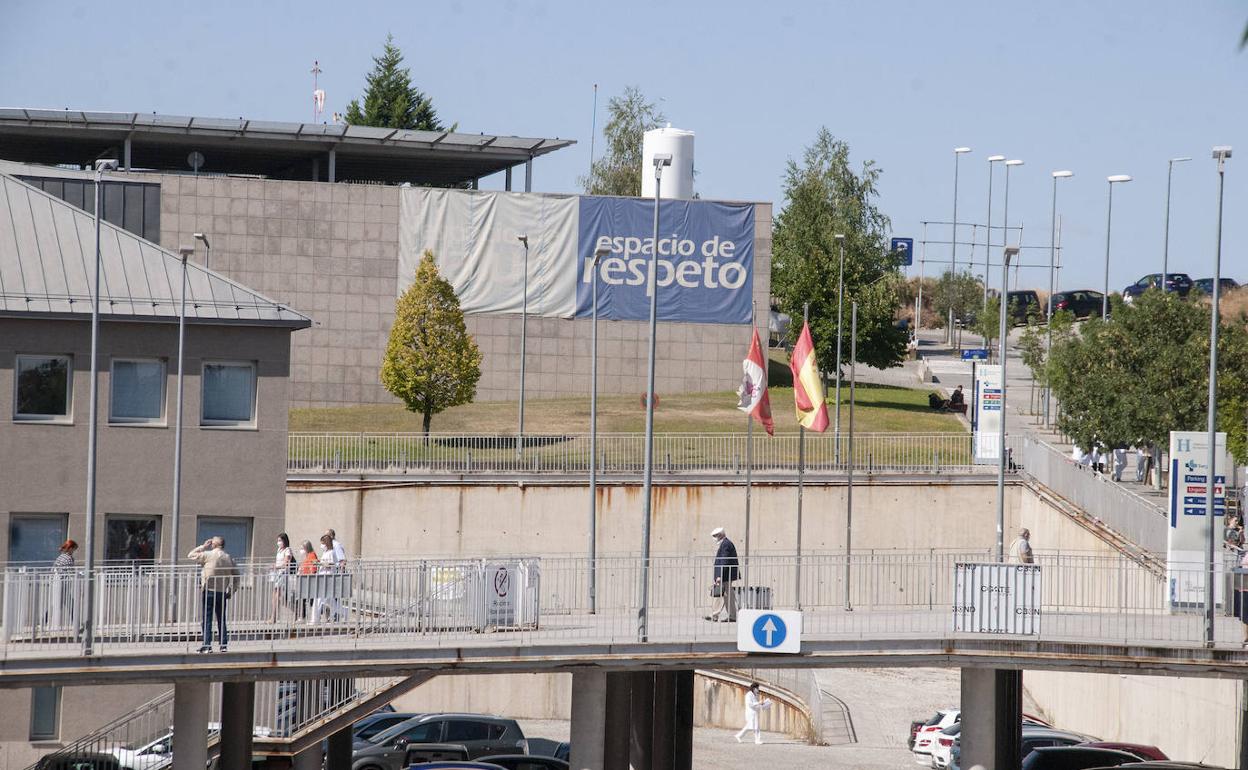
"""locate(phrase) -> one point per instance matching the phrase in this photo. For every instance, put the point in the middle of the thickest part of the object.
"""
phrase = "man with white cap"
(726, 571)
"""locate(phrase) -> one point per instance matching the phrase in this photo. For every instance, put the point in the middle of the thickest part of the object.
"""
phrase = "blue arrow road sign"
(769, 631)
(904, 249)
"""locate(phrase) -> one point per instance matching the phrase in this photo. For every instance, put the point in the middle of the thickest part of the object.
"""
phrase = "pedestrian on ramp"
(754, 703)
(726, 571)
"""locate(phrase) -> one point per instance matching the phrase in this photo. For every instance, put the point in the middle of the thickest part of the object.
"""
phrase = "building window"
(45, 713)
(36, 539)
(44, 387)
(138, 391)
(236, 531)
(131, 539)
(229, 394)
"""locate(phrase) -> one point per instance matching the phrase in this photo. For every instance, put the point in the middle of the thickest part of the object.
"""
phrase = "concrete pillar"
(311, 758)
(338, 757)
(238, 708)
(125, 151)
(190, 724)
(619, 719)
(528, 174)
(589, 720)
(682, 728)
(333, 165)
(663, 713)
(992, 717)
(316, 169)
(507, 179)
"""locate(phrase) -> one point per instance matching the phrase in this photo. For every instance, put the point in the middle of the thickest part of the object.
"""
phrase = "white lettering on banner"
(996, 598)
(709, 273)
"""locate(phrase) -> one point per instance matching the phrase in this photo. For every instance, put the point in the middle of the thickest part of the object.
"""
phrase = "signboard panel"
(975, 354)
(903, 250)
(769, 631)
(989, 397)
(1188, 532)
(996, 598)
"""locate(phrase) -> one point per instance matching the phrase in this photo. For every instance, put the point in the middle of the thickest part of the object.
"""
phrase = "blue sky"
(1099, 88)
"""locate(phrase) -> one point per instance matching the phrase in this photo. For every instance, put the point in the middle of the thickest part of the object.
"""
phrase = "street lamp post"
(1005, 228)
(988, 238)
(524, 338)
(1220, 154)
(207, 248)
(659, 160)
(1165, 248)
(840, 312)
(1109, 220)
(593, 437)
(88, 620)
(176, 515)
(958, 152)
(1048, 345)
(1010, 252)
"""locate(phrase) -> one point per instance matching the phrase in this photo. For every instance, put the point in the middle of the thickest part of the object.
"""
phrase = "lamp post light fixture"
(840, 313)
(89, 616)
(1048, 345)
(1165, 247)
(207, 247)
(988, 238)
(176, 514)
(593, 436)
(1220, 154)
(660, 160)
(524, 338)
(1109, 220)
(958, 152)
(1010, 253)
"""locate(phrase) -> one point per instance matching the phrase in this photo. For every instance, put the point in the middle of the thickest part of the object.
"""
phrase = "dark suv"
(1179, 283)
(1225, 285)
(1084, 303)
(1022, 305)
(479, 735)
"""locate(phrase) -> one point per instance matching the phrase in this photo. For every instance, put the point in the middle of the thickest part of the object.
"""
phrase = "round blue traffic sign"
(769, 631)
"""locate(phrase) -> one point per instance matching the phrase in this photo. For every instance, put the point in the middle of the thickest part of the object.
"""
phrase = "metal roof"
(269, 148)
(47, 267)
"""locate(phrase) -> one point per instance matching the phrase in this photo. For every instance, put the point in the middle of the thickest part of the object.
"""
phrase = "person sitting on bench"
(957, 403)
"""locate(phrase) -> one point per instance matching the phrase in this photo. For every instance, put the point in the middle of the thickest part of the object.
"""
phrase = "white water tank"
(678, 177)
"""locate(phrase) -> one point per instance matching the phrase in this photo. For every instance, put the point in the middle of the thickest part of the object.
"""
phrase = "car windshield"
(392, 732)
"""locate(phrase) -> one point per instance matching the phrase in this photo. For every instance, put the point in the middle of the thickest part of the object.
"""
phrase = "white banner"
(988, 400)
(474, 239)
(1187, 540)
(996, 598)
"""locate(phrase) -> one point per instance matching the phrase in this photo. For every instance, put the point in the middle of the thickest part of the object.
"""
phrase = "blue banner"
(705, 266)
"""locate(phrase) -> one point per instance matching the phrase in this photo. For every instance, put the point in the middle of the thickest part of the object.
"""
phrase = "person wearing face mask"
(283, 564)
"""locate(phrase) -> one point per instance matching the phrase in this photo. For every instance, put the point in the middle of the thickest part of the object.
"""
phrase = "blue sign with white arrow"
(904, 249)
(769, 631)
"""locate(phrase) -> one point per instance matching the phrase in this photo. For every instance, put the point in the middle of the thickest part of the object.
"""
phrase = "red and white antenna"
(318, 95)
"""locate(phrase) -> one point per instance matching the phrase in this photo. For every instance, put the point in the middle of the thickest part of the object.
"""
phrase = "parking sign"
(904, 249)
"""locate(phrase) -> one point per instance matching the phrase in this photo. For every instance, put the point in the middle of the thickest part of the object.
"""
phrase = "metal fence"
(429, 604)
(624, 453)
(1134, 517)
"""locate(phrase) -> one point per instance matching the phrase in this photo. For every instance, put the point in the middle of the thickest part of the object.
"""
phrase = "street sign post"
(904, 249)
(769, 631)
(975, 354)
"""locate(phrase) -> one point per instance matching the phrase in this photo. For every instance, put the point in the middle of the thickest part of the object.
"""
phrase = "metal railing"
(1134, 517)
(437, 603)
(624, 453)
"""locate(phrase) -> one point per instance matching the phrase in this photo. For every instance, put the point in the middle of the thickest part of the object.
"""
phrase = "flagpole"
(749, 457)
(801, 473)
(849, 489)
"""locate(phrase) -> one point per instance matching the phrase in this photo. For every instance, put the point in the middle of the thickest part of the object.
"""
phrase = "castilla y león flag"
(753, 391)
(812, 408)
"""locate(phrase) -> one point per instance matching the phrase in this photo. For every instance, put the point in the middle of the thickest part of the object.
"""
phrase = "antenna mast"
(318, 96)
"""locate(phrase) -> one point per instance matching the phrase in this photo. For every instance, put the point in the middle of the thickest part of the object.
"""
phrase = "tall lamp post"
(1165, 248)
(1220, 154)
(660, 160)
(185, 252)
(88, 620)
(524, 338)
(207, 248)
(1048, 345)
(988, 238)
(840, 312)
(593, 437)
(958, 152)
(1010, 252)
(1109, 221)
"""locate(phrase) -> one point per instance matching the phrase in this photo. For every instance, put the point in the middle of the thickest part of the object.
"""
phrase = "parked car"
(1179, 283)
(366, 727)
(86, 761)
(149, 755)
(1034, 736)
(1022, 305)
(1206, 285)
(419, 753)
(526, 762)
(452, 765)
(942, 748)
(479, 735)
(564, 751)
(1170, 765)
(931, 728)
(1140, 750)
(1083, 303)
(915, 726)
(1075, 758)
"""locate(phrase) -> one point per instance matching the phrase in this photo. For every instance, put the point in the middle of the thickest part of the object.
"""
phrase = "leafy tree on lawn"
(988, 323)
(824, 196)
(390, 99)
(431, 362)
(618, 171)
(961, 292)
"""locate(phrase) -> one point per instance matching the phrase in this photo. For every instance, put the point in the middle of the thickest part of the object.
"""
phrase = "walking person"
(218, 579)
(309, 562)
(727, 570)
(330, 563)
(340, 553)
(1021, 548)
(1119, 462)
(283, 565)
(754, 703)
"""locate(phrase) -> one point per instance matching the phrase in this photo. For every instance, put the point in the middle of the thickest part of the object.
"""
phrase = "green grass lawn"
(878, 409)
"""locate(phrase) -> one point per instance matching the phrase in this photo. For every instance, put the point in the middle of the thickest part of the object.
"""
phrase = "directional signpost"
(975, 354)
(904, 249)
(769, 631)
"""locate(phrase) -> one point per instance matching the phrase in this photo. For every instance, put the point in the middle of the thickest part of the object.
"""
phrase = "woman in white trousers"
(754, 703)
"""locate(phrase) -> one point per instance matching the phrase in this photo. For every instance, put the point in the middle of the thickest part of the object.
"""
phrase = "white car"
(158, 752)
(942, 745)
(927, 734)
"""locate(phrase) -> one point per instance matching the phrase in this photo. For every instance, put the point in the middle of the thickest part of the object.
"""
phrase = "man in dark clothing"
(726, 571)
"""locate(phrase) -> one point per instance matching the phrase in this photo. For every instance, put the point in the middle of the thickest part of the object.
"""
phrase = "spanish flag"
(812, 408)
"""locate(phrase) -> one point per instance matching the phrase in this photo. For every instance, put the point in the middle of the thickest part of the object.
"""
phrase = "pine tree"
(390, 99)
(431, 362)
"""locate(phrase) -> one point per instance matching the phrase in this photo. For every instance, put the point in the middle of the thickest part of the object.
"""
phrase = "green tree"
(987, 322)
(390, 99)
(431, 362)
(825, 197)
(618, 171)
(961, 293)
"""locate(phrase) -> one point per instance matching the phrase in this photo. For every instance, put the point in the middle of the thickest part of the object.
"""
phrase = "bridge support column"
(992, 717)
(673, 721)
(190, 724)
(642, 723)
(601, 720)
(632, 721)
(311, 758)
(338, 757)
(238, 711)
